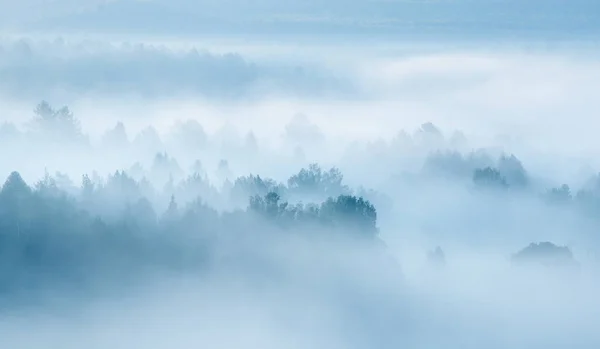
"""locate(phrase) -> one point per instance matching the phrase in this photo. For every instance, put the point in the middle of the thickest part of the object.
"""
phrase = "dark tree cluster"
(113, 228)
(312, 184)
(545, 254)
(489, 178)
(345, 213)
(480, 167)
(586, 200)
(506, 175)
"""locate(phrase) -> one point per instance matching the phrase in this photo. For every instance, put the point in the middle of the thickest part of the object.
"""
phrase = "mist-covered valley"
(280, 191)
(133, 239)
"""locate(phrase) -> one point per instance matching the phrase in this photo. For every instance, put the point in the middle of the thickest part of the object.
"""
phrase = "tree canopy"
(114, 223)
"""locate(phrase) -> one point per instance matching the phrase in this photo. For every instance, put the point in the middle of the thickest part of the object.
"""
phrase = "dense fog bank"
(184, 236)
(262, 186)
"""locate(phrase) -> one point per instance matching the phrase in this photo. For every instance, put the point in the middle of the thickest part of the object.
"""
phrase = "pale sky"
(373, 17)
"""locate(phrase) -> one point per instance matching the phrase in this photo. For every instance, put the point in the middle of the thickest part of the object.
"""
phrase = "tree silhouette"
(315, 184)
(247, 186)
(545, 254)
(352, 214)
(56, 125)
(489, 178)
(560, 195)
(513, 171)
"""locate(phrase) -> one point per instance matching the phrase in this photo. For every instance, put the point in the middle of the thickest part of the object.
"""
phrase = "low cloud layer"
(507, 90)
(48, 68)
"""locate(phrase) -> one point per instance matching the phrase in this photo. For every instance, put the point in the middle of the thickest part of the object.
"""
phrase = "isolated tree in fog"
(57, 124)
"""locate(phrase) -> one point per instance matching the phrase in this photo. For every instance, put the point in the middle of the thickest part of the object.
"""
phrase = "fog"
(299, 174)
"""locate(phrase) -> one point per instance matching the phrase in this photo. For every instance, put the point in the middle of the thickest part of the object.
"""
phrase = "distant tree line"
(55, 228)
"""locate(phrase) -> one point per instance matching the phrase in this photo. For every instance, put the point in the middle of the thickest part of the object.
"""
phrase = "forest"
(299, 174)
(67, 233)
